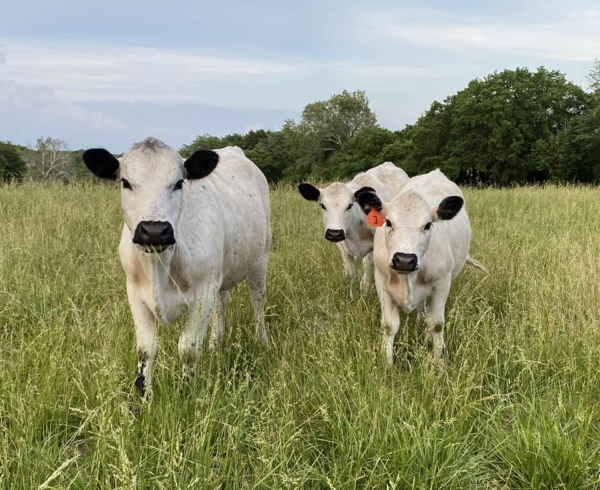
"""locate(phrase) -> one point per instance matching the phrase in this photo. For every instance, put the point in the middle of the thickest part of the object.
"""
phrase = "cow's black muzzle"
(404, 262)
(154, 236)
(335, 235)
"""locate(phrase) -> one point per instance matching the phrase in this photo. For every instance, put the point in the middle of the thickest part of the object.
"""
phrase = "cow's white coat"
(223, 234)
(441, 252)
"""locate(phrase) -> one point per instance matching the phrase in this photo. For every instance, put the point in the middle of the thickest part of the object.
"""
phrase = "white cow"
(193, 230)
(345, 224)
(420, 249)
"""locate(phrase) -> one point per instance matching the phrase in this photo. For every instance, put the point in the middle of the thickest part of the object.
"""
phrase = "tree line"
(510, 127)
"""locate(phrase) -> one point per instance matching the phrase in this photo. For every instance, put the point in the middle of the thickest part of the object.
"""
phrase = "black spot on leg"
(140, 380)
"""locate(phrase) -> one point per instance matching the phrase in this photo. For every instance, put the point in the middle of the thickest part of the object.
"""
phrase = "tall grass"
(519, 406)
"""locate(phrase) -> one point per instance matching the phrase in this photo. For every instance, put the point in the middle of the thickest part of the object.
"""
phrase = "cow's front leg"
(390, 320)
(349, 265)
(434, 319)
(147, 340)
(217, 331)
(194, 330)
(365, 281)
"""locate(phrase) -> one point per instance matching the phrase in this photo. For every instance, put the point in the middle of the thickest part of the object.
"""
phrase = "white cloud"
(571, 38)
(39, 112)
(2, 56)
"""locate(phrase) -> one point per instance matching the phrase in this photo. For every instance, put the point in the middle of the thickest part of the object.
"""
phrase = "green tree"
(12, 166)
(360, 153)
(202, 142)
(505, 128)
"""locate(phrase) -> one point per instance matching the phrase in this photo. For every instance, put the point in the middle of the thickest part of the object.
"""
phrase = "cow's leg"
(434, 319)
(390, 320)
(147, 340)
(217, 329)
(257, 282)
(194, 330)
(422, 311)
(365, 281)
(349, 265)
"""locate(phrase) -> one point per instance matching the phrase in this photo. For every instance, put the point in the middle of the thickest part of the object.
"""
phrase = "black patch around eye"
(349, 206)
(178, 185)
(324, 208)
(126, 184)
(388, 223)
(427, 226)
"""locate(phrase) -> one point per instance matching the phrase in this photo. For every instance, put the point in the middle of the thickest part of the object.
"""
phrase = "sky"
(114, 72)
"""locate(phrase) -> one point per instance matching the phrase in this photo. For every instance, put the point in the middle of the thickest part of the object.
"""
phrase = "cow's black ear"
(363, 189)
(309, 192)
(101, 163)
(367, 199)
(449, 207)
(201, 164)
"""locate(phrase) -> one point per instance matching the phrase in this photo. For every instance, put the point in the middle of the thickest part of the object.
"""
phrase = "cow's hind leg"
(349, 265)
(217, 330)
(147, 341)
(257, 282)
(194, 331)
(435, 319)
(365, 281)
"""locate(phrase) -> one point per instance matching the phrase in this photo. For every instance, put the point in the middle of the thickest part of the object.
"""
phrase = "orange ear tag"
(374, 218)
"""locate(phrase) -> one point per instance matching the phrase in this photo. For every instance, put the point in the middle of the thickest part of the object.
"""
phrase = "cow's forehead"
(336, 192)
(151, 157)
(410, 207)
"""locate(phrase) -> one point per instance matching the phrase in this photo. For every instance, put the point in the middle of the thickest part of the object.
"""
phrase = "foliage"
(12, 165)
(509, 127)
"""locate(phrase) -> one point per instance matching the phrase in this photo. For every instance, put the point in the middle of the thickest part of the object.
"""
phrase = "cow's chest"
(164, 289)
(360, 243)
(408, 291)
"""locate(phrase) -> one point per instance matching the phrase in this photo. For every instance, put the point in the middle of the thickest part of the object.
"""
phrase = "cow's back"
(229, 214)
(387, 179)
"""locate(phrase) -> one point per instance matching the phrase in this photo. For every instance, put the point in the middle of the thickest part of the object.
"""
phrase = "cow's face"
(152, 177)
(408, 224)
(337, 202)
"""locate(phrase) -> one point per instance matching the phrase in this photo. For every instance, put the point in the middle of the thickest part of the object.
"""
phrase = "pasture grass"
(517, 408)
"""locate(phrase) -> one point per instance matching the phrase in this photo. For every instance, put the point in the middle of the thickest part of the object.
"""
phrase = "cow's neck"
(359, 235)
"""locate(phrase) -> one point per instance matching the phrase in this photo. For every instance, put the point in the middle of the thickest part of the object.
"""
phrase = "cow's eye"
(126, 184)
(324, 208)
(178, 185)
(349, 207)
(427, 226)
(388, 223)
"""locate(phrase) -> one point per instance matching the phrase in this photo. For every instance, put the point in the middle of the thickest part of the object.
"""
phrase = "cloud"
(564, 37)
(38, 112)
(2, 56)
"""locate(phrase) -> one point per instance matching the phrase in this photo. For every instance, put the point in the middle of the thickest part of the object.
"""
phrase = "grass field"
(519, 406)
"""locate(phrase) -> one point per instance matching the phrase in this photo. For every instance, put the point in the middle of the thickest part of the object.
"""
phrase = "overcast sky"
(112, 72)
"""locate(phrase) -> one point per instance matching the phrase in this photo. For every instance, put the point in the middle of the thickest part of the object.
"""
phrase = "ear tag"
(374, 218)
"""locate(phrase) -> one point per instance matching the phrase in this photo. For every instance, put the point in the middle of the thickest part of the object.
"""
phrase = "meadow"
(518, 407)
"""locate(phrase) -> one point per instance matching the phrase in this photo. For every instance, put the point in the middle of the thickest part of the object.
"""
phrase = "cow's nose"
(404, 262)
(154, 233)
(335, 235)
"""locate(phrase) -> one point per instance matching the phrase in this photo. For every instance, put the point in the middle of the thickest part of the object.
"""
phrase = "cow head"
(337, 203)
(152, 177)
(408, 221)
